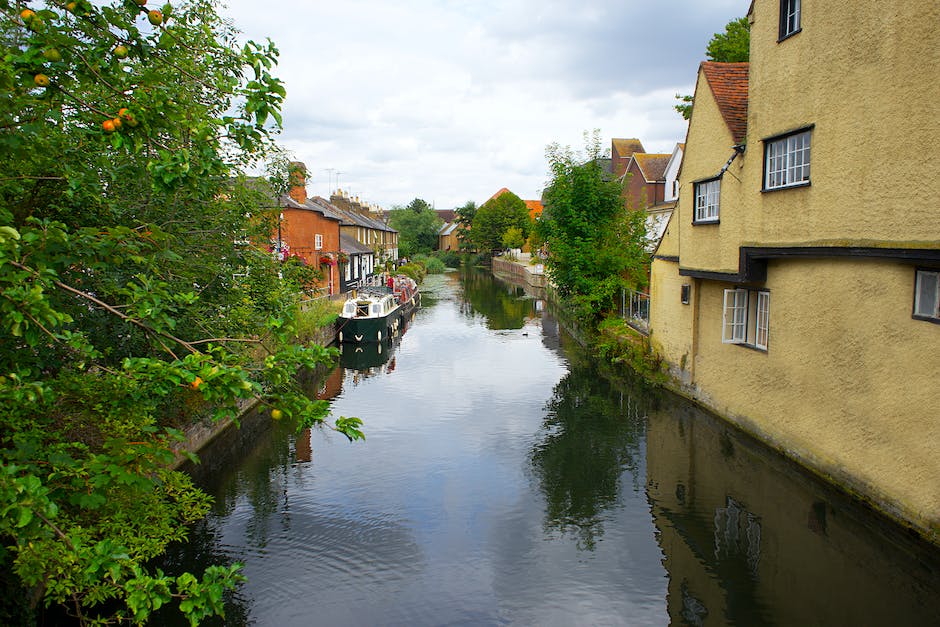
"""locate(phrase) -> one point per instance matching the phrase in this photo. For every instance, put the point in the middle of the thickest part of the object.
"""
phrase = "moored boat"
(376, 314)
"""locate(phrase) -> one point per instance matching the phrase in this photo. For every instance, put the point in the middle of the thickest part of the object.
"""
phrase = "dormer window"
(789, 18)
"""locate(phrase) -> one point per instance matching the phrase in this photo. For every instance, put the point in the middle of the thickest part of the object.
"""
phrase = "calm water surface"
(505, 481)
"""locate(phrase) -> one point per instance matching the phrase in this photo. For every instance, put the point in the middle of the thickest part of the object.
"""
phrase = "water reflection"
(503, 305)
(593, 445)
(505, 480)
(751, 540)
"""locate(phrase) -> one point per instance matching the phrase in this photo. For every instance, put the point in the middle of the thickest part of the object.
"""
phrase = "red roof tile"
(728, 82)
(534, 207)
(653, 166)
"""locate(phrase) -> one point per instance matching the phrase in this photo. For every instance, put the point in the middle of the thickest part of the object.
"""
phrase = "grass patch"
(313, 316)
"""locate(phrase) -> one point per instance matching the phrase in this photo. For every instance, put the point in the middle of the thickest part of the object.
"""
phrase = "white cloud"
(451, 100)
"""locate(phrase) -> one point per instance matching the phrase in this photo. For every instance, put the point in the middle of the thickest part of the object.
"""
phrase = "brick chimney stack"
(297, 177)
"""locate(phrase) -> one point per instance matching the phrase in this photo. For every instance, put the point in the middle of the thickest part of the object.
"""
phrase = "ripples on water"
(503, 481)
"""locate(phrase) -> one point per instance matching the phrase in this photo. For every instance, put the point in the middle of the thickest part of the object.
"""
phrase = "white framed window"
(318, 242)
(746, 318)
(707, 194)
(786, 160)
(789, 17)
(927, 295)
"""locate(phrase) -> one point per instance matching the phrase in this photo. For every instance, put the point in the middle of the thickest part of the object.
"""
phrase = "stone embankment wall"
(201, 432)
(533, 275)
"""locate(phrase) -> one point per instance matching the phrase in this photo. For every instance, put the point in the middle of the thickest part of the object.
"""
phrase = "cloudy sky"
(450, 100)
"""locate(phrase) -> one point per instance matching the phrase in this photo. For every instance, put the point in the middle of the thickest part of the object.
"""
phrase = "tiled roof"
(348, 217)
(626, 147)
(728, 82)
(497, 194)
(447, 215)
(534, 207)
(653, 166)
(352, 246)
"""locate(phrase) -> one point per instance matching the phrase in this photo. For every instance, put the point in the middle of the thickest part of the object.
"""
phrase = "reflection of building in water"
(331, 385)
(749, 539)
(737, 532)
(302, 446)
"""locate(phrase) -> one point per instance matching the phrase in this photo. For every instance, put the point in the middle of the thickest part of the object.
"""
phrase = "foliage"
(513, 238)
(415, 270)
(450, 258)
(495, 217)
(617, 343)
(130, 287)
(464, 219)
(315, 315)
(731, 46)
(595, 245)
(417, 225)
(432, 264)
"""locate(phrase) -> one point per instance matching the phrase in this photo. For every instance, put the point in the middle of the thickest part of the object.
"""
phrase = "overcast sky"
(450, 100)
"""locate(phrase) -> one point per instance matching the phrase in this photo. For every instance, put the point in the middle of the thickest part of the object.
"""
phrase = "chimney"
(297, 177)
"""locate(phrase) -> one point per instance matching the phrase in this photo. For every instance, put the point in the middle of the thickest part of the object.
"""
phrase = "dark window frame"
(695, 187)
(935, 319)
(783, 30)
(768, 141)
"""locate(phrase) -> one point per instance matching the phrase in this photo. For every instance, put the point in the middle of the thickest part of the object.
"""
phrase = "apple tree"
(136, 293)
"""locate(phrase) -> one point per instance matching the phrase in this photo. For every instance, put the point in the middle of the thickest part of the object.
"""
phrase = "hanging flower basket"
(342, 257)
(327, 260)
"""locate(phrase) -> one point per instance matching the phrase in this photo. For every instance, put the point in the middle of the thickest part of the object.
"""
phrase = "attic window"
(790, 11)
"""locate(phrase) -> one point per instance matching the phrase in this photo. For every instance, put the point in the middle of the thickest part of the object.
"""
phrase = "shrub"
(435, 266)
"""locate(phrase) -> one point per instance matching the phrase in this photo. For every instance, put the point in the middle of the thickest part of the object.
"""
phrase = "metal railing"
(635, 309)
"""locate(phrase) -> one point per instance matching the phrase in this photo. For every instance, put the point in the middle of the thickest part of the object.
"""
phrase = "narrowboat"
(377, 314)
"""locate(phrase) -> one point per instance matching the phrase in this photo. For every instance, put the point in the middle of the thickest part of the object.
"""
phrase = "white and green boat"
(377, 314)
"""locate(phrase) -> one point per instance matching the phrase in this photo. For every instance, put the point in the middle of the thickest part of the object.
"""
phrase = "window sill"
(784, 187)
(788, 35)
(706, 222)
(926, 318)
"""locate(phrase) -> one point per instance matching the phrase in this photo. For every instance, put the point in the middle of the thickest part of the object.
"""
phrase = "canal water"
(505, 480)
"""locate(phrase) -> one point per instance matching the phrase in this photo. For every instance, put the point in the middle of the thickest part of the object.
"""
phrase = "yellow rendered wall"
(867, 75)
(670, 320)
(848, 384)
(709, 145)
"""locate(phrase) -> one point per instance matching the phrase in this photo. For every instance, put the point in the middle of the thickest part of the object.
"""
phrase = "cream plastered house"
(795, 291)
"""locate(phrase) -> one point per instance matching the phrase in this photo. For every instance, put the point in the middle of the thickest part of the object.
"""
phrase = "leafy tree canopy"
(417, 225)
(136, 292)
(595, 245)
(464, 219)
(731, 46)
(495, 217)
